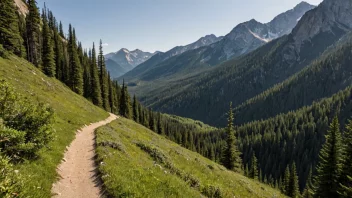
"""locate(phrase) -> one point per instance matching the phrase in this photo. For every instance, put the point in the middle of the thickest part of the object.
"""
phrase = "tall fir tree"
(330, 161)
(293, 189)
(112, 103)
(231, 156)
(33, 33)
(135, 109)
(59, 57)
(49, 67)
(286, 181)
(96, 88)
(125, 102)
(103, 78)
(61, 30)
(346, 175)
(253, 171)
(151, 120)
(76, 74)
(10, 36)
(87, 86)
(308, 191)
(160, 128)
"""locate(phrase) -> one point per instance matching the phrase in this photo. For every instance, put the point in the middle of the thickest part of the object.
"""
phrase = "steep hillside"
(243, 39)
(206, 96)
(324, 77)
(71, 113)
(136, 162)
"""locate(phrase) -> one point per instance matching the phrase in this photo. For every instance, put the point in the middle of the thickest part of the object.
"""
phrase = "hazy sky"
(152, 25)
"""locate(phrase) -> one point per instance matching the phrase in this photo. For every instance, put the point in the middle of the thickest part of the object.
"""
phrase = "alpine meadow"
(263, 110)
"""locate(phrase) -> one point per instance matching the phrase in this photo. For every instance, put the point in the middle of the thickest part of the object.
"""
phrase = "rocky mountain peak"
(327, 17)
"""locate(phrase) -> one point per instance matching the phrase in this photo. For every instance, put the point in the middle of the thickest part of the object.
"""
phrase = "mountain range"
(243, 39)
(123, 61)
(206, 93)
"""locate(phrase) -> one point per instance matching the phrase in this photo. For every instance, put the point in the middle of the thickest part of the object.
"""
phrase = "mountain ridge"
(242, 39)
(245, 77)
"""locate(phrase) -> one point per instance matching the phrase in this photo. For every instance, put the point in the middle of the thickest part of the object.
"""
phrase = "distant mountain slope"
(115, 69)
(122, 61)
(137, 162)
(243, 39)
(329, 74)
(160, 57)
(206, 96)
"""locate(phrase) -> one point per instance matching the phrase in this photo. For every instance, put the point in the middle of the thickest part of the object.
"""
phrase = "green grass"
(136, 162)
(71, 113)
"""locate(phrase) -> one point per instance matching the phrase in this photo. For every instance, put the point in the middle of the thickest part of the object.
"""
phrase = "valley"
(264, 111)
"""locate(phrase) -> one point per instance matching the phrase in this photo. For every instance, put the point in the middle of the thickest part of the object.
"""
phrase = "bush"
(24, 128)
(212, 191)
(10, 182)
(3, 52)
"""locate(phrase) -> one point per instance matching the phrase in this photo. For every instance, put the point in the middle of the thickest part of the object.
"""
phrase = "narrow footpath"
(78, 171)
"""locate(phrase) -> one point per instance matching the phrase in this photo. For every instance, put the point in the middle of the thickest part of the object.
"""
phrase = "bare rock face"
(252, 34)
(328, 17)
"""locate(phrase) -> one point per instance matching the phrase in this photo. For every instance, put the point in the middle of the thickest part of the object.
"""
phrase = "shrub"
(3, 52)
(10, 182)
(24, 128)
(156, 154)
(212, 191)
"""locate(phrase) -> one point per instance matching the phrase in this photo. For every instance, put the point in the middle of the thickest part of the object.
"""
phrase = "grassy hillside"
(71, 113)
(136, 162)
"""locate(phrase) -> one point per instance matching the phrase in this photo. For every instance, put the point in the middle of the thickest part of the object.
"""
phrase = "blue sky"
(152, 25)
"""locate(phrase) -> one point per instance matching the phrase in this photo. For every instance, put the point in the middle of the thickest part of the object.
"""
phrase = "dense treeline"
(40, 39)
(285, 147)
(324, 77)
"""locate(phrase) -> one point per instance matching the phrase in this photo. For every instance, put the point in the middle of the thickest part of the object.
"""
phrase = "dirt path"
(77, 171)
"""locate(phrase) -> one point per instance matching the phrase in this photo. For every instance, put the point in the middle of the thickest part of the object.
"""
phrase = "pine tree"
(253, 172)
(329, 167)
(61, 30)
(160, 128)
(140, 114)
(87, 81)
(125, 104)
(346, 174)
(33, 33)
(111, 95)
(96, 91)
(10, 36)
(231, 156)
(103, 78)
(286, 181)
(308, 192)
(76, 74)
(59, 57)
(151, 120)
(293, 189)
(135, 109)
(49, 67)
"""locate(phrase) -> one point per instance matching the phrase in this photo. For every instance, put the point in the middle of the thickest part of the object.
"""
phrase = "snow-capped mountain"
(243, 39)
(130, 59)
(249, 35)
(122, 61)
(204, 41)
